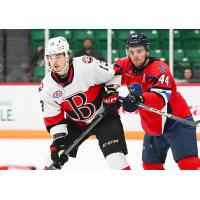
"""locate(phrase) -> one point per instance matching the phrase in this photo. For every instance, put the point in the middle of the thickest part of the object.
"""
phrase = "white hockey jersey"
(78, 97)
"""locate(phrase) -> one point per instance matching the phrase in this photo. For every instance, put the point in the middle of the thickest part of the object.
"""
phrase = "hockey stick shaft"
(163, 113)
(160, 112)
(82, 136)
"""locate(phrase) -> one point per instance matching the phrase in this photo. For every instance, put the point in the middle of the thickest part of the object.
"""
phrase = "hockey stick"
(163, 113)
(82, 136)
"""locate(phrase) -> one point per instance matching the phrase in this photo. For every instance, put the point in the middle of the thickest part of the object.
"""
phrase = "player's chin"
(137, 64)
(56, 69)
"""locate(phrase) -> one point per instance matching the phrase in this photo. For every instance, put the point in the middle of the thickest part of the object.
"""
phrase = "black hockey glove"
(129, 103)
(111, 102)
(57, 148)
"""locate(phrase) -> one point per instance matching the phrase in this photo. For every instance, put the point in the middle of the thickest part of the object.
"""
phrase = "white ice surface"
(34, 151)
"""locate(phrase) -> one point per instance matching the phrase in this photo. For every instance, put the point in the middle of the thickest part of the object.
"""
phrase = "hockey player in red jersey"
(151, 83)
(72, 95)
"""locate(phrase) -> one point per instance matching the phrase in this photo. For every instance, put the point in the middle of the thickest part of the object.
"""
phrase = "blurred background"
(21, 50)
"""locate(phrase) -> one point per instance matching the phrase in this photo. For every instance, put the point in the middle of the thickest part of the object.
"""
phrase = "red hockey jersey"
(159, 91)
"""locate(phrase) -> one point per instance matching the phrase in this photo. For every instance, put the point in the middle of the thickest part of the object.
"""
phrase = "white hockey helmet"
(56, 45)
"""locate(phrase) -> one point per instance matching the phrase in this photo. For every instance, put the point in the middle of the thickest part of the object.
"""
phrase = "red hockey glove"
(111, 102)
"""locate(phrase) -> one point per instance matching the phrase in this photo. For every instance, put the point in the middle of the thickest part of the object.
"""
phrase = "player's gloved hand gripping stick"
(80, 138)
(134, 100)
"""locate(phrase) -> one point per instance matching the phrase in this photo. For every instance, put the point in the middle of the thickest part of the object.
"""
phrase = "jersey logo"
(162, 68)
(80, 109)
(87, 59)
(57, 94)
(129, 73)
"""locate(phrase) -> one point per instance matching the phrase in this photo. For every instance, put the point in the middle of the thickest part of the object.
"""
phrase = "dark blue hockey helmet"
(138, 39)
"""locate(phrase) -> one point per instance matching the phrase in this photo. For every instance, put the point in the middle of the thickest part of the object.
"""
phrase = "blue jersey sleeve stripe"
(165, 93)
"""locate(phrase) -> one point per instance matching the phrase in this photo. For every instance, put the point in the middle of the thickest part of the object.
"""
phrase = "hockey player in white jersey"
(72, 94)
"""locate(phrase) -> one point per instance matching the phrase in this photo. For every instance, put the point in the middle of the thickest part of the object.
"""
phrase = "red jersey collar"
(66, 80)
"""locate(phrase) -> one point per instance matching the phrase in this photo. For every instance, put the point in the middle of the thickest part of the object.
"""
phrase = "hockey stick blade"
(81, 137)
